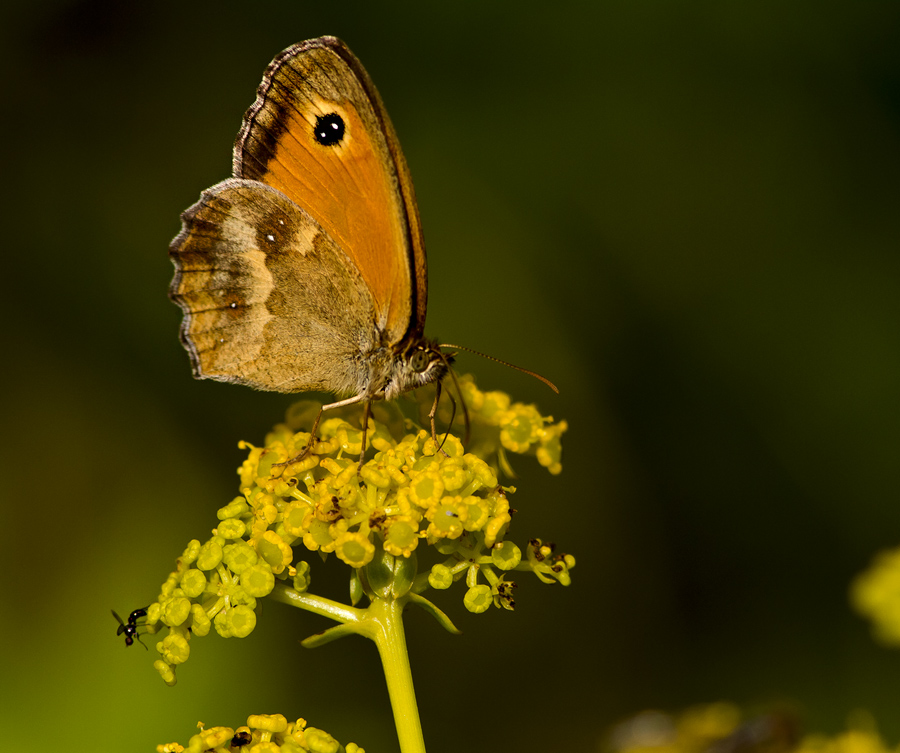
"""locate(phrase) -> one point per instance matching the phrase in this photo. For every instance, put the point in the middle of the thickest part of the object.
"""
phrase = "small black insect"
(136, 615)
(241, 739)
(130, 628)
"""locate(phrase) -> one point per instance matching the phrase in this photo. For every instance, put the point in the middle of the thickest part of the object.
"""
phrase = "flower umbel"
(876, 594)
(263, 733)
(375, 518)
(723, 727)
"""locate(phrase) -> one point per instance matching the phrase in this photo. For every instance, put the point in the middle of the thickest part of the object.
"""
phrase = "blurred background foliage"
(685, 214)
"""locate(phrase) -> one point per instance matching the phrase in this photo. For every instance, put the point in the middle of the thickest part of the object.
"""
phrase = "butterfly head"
(423, 362)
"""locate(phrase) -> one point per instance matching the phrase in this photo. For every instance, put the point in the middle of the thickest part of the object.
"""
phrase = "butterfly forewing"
(356, 187)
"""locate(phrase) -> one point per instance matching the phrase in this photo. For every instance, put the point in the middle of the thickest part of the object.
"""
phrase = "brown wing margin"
(415, 238)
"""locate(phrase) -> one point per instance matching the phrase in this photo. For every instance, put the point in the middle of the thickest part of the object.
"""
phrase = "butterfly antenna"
(505, 363)
(462, 400)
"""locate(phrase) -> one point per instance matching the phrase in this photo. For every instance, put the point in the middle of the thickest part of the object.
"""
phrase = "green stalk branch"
(384, 625)
(317, 604)
(381, 622)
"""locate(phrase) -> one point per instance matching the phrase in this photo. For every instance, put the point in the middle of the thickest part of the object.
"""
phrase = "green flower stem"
(317, 604)
(384, 625)
(381, 622)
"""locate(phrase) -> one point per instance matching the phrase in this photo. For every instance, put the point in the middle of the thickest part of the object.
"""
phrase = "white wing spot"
(270, 238)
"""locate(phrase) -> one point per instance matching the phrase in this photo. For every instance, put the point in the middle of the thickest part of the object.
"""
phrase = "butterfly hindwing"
(269, 299)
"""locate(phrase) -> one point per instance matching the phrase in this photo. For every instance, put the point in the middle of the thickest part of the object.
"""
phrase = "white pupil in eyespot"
(329, 129)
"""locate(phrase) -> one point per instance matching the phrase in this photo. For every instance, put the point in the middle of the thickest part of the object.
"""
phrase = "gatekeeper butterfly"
(306, 270)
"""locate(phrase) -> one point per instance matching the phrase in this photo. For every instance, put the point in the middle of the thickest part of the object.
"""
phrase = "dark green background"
(686, 214)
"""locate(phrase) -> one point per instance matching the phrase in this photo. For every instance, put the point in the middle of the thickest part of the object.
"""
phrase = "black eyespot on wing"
(329, 129)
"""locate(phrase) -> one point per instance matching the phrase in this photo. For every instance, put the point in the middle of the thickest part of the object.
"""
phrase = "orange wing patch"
(350, 187)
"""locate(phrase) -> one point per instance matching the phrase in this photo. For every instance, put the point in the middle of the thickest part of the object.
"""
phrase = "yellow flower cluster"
(722, 726)
(876, 594)
(692, 732)
(264, 733)
(862, 740)
(409, 491)
(499, 426)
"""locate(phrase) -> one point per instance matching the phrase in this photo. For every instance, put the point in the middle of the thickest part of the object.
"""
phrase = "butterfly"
(306, 270)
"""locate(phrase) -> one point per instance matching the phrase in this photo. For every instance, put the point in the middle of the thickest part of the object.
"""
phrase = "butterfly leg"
(312, 434)
(365, 429)
(431, 415)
